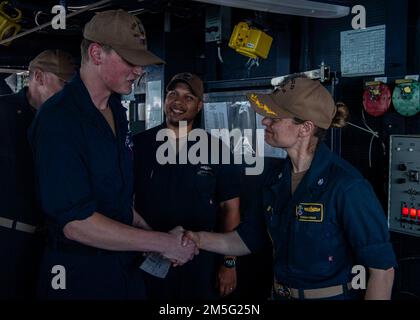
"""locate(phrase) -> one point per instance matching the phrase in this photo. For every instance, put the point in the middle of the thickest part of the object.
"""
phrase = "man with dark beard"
(193, 195)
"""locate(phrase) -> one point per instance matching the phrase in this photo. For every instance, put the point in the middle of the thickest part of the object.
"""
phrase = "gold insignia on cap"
(261, 105)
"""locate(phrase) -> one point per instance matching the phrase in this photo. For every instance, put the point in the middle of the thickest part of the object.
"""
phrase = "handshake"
(182, 246)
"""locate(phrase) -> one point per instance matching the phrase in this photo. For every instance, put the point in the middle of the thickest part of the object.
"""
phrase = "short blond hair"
(84, 48)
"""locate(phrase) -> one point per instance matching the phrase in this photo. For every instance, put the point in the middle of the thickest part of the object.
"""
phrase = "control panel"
(404, 184)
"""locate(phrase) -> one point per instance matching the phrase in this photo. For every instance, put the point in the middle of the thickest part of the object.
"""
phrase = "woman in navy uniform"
(322, 215)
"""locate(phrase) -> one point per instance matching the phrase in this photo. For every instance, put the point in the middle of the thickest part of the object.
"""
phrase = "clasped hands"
(183, 246)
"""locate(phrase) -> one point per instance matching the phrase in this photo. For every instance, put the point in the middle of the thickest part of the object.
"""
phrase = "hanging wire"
(75, 8)
(95, 5)
(374, 134)
(252, 62)
(219, 53)
(36, 17)
(138, 11)
(377, 136)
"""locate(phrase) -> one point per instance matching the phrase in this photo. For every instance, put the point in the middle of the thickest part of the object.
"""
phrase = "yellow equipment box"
(249, 41)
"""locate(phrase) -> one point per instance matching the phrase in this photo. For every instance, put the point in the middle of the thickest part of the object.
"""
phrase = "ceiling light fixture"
(293, 7)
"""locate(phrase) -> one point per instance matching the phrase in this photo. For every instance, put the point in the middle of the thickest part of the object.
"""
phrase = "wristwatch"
(229, 262)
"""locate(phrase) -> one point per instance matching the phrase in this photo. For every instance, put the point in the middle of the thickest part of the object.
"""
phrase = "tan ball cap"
(124, 33)
(55, 61)
(302, 98)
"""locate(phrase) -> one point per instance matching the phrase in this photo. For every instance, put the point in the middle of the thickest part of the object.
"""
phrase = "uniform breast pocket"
(315, 230)
(315, 246)
(205, 188)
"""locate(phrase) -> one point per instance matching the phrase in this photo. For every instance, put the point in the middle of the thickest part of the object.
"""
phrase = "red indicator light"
(405, 211)
(418, 213)
(413, 213)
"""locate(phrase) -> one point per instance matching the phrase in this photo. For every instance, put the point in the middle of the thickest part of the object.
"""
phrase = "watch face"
(229, 263)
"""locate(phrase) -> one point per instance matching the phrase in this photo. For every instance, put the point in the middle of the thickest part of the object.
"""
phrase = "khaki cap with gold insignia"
(302, 98)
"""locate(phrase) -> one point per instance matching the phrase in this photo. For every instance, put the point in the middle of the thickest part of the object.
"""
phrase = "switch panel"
(404, 185)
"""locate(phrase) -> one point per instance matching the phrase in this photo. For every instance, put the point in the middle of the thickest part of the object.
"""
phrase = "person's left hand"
(226, 280)
(178, 252)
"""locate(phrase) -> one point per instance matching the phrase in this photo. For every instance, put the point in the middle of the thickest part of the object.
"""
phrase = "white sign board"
(363, 51)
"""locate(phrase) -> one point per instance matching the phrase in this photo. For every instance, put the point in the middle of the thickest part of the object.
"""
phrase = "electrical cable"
(219, 53)
(47, 24)
(374, 134)
(356, 126)
(137, 11)
(252, 62)
(36, 17)
(75, 8)
(371, 141)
